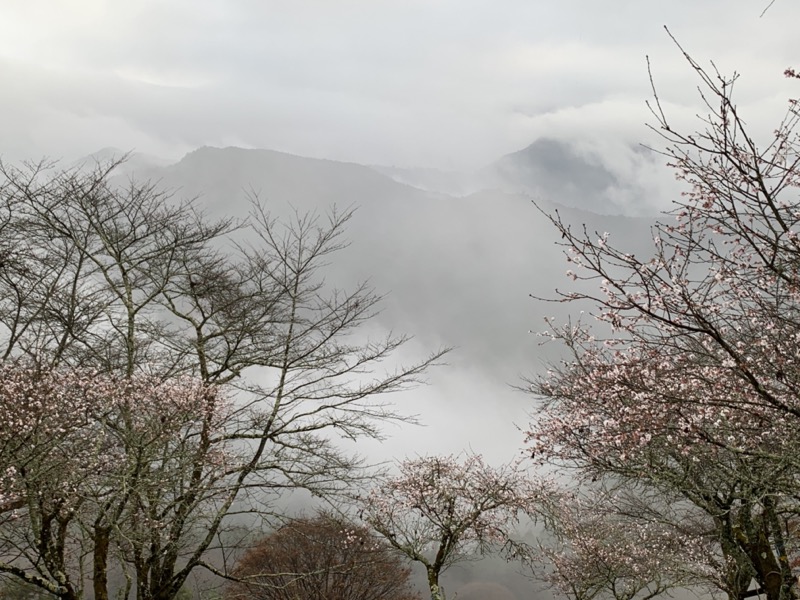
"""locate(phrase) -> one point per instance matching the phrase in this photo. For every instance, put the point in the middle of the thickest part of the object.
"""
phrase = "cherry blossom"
(87, 451)
(606, 543)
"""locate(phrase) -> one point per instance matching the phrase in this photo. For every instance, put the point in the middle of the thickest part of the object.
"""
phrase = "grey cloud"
(439, 83)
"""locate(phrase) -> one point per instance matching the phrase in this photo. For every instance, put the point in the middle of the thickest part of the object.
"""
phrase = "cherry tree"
(82, 452)
(689, 385)
(442, 510)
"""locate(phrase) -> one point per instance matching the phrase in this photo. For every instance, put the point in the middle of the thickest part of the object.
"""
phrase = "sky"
(451, 84)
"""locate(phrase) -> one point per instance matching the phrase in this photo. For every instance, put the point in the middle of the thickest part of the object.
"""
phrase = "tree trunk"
(433, 583)
(100, 563)
(761, 555)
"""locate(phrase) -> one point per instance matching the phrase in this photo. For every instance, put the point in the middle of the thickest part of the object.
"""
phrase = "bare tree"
(127, 285)
(86, 264)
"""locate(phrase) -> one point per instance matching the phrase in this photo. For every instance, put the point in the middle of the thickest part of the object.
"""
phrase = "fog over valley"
(456, 271)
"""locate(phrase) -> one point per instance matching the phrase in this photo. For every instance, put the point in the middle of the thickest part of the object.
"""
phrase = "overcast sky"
(443, 83)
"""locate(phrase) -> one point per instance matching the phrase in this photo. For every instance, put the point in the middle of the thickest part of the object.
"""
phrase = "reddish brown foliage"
(323, 558)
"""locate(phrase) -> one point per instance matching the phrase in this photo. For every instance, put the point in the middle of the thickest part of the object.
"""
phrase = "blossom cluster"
(602, 546)
(69, 434)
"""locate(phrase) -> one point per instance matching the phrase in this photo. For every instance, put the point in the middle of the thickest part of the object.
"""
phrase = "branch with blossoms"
(603, 542)
(84, 453)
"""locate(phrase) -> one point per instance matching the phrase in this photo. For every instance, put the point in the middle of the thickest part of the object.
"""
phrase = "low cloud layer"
(447, 84)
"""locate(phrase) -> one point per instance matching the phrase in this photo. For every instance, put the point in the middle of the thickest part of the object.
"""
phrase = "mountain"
(459, 270)
(228, 174)
(551, 171)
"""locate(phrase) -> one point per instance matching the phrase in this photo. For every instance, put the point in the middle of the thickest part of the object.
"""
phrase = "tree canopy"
(321, 557)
